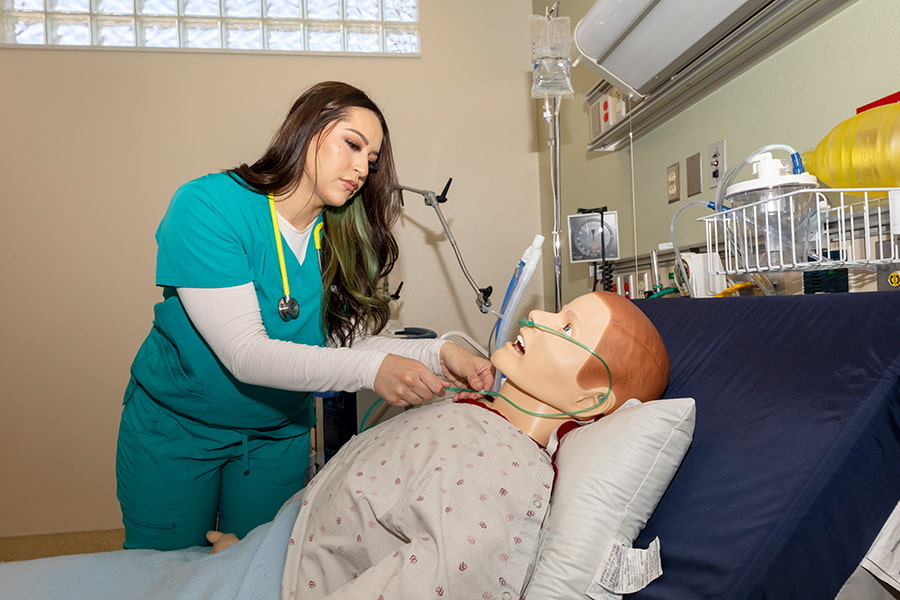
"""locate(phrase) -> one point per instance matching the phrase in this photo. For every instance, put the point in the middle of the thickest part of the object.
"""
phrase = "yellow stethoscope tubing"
(286, 286)
(282, 265)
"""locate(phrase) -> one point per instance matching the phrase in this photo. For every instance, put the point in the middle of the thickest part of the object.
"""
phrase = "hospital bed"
(795, 460)
(786, 464)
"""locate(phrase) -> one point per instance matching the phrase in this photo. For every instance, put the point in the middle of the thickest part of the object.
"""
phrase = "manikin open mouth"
(519, 344)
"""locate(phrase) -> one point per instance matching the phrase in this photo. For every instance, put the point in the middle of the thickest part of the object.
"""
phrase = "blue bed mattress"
(795, 462)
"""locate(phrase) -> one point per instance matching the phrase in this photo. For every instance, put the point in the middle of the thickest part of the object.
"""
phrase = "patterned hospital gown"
(444, 501)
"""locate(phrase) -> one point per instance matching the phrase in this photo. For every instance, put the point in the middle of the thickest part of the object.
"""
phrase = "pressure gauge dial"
(590, 238)
(588, 234)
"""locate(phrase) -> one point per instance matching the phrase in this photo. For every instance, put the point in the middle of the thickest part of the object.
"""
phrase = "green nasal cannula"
(526, 323)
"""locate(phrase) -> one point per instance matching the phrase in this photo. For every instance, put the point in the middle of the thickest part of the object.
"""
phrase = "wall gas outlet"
(595, 119)
(673, 183)
(715, 163)
(692, 174)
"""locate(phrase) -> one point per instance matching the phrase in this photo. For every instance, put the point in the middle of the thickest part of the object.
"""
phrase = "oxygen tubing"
(495, 394)
(665, 292)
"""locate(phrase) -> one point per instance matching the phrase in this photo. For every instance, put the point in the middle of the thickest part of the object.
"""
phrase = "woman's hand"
(466, 370)
(404, 381)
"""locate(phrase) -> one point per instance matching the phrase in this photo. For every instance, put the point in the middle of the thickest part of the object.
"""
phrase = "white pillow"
(610, 477)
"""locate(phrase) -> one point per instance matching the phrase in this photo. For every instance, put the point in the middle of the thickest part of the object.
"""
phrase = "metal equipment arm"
(482, 295)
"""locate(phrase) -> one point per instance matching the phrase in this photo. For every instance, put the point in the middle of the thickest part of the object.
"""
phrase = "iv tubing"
(633, 191)
(552, 118)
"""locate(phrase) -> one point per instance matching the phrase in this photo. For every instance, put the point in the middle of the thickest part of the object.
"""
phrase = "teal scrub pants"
(178, 479)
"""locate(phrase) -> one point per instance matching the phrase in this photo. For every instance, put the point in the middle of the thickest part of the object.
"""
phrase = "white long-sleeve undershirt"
(229, 320)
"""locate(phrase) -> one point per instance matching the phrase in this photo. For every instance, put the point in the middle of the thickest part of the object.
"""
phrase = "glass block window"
(310, 26)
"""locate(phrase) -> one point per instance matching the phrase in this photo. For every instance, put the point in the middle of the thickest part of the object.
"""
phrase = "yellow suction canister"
(861, 152)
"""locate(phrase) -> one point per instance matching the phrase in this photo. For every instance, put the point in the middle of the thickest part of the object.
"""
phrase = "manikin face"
(546, 366)
(338, 160)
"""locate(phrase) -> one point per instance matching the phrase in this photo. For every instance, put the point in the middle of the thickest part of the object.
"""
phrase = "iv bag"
(551, 66)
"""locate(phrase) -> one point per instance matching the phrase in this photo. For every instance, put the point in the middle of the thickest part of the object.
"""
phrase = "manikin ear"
(591, 398)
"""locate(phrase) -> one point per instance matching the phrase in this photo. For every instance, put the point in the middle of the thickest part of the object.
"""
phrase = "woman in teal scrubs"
(270, 276)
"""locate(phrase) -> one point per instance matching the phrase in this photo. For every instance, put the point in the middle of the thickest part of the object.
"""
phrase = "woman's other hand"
(466, 370)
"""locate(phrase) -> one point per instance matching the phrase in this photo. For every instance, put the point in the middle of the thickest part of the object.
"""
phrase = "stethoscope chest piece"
(288, 308)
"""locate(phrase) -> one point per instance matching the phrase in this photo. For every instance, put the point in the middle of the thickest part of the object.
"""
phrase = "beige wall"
(94, 143)
(793, 97)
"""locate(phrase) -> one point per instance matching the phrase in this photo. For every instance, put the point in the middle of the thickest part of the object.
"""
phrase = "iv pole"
(551, 115)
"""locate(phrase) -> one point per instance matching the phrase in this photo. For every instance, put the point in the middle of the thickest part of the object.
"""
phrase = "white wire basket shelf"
(806, 230)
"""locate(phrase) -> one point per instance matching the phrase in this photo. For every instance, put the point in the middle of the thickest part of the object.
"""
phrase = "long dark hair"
(358, 247)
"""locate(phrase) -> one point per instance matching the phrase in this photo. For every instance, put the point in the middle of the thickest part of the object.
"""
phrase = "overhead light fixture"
(665, 54)
(636, 45)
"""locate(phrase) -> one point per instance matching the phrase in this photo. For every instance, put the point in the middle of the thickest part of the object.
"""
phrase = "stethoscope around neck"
(288, 307)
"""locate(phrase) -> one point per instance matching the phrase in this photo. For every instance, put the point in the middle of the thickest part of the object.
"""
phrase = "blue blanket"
(248, 570)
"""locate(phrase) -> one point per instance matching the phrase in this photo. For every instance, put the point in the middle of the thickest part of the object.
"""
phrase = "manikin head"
(548, 375)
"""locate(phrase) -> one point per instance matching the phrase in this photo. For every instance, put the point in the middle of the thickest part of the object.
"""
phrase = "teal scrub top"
(217, 233)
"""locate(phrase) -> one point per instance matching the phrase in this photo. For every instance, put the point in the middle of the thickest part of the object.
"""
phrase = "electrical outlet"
(715, 163)
(673, 183)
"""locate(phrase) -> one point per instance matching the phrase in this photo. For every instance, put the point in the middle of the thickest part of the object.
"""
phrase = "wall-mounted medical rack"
(636, 276)
(806, 230)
